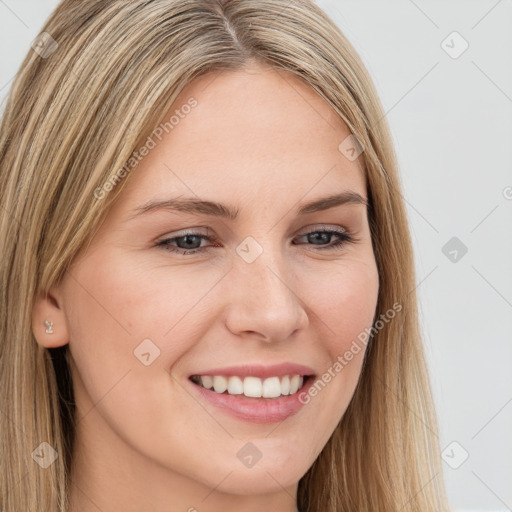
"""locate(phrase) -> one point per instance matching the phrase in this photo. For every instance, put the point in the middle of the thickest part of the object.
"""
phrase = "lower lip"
(256, 410)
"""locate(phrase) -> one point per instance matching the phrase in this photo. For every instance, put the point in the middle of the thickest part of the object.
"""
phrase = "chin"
(245, 482)
(280, 470)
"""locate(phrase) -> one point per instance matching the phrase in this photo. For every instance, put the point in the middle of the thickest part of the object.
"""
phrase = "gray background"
(452, 126)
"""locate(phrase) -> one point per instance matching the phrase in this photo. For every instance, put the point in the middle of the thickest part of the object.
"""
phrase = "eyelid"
(304, 230)
(187, 231)
(344, 235)
(324, 227)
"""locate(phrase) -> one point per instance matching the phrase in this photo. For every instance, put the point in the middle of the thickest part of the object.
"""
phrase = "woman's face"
(259, 298)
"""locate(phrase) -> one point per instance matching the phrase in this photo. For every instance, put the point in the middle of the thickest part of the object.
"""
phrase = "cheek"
(117, 305)
(113, 308)
(121, 317)
(345, 301)
(344, 304)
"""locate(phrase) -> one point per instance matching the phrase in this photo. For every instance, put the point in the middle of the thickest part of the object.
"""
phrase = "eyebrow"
(203, 207)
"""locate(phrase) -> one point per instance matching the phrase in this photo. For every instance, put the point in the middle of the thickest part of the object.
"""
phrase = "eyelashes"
(192, 238)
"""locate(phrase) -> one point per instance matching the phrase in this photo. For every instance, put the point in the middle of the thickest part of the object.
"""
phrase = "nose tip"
(265, 303)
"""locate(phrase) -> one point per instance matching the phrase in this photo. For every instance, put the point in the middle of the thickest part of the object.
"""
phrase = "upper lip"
(261, 371)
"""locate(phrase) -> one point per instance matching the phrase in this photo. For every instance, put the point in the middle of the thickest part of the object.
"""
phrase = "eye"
(190, 243)
(187, 243)
(323, 235)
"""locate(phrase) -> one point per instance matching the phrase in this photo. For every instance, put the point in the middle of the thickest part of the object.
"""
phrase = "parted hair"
(101, 80)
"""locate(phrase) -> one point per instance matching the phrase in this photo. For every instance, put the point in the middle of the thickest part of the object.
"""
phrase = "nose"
(264, 302)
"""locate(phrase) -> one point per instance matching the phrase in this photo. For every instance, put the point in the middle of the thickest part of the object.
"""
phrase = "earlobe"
(48, 320)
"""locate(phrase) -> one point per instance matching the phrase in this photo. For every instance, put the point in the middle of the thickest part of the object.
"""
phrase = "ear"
(48, 320)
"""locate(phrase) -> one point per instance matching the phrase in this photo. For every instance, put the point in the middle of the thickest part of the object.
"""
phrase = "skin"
(262, 142)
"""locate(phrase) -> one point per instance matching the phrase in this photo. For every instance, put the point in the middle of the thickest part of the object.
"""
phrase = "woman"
(208, 283)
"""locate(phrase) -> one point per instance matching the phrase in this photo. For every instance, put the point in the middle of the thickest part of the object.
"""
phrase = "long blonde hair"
(100, 82)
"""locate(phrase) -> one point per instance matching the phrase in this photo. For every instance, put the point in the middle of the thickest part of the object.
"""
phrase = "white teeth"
(220, 384)
(252, 387)
(207, 381)
(271, 387)
(294, 384)
(235, 386)
(285, 385)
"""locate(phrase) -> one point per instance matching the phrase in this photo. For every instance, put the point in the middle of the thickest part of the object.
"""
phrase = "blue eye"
(190, 243)
(187, 240)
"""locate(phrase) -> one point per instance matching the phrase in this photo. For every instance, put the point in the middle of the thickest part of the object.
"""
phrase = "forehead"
(252, 133)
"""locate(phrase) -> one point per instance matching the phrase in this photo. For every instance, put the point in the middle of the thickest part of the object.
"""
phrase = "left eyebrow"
(201, 207)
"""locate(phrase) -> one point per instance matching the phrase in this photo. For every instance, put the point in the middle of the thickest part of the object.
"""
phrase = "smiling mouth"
(252, 387)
